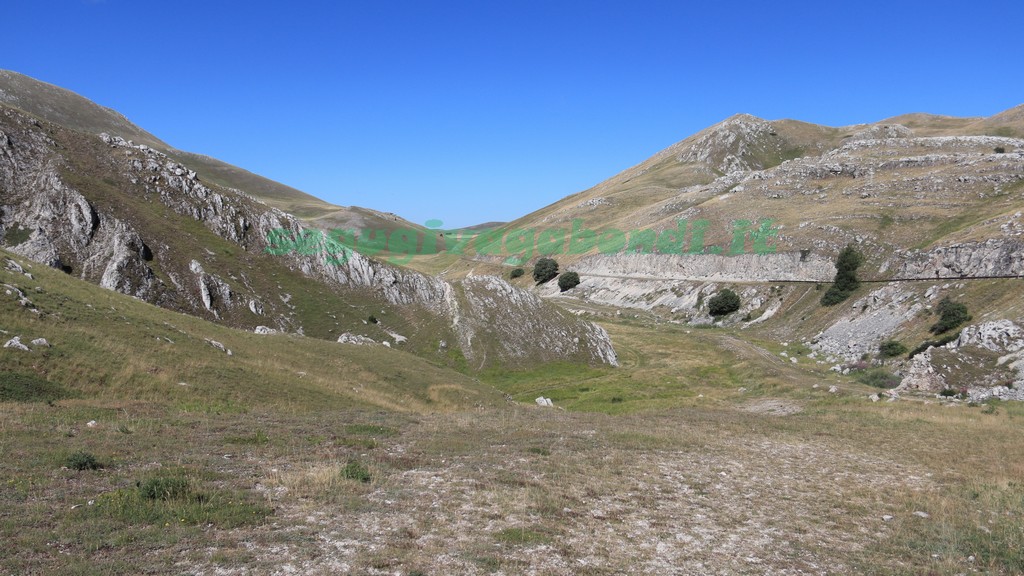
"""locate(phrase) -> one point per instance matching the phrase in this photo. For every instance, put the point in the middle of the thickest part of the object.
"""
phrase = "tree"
(568, 281)
(545, 269)
(951, 315)
(846, 281)
(725, 302)
(516, 273)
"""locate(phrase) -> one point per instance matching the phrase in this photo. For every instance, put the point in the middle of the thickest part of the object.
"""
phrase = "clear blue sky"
(476, 111)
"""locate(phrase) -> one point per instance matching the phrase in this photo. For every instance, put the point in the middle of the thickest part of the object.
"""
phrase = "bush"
(568, 281)
(516, 273)
(545, 269)
(891, 348)
(82, 460)
(372, 319)
(936, 343)
(845, 282)
(725, 302)
(355, 470)
(1000, 150)
(878, 378)
(951, 315)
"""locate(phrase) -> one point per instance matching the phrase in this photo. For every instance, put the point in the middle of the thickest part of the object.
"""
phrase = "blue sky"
(476, 111)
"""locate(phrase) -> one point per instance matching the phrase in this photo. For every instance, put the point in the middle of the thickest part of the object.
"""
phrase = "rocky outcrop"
(46, 219)
(956, 364)
(992, 257)
(348, 338)
(495, 316)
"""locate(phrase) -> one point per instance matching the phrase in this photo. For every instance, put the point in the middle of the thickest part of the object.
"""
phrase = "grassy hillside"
(870, 194)
(110, 347)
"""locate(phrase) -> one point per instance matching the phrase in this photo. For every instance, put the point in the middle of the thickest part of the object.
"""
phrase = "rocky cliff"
(131, 218)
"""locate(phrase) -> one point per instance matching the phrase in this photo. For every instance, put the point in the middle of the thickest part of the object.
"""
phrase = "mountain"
(65, 108)
(135, 219)
(933, 203)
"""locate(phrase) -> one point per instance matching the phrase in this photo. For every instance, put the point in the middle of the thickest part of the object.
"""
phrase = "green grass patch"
(257, 438)
(370, 430)
(22, 387)
(877, 378)
(522, 536)
(82, 460)
(16, 235)
(175, 497)
(356, 470)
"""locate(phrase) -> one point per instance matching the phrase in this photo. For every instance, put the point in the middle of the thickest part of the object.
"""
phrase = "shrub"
(891, 348)
(845, 282)
(372, 319)
(545, 269)
(355, 470)
(725, 302)
(568, 281)
(878, 378)
(951, 315)
(81, 460)
(1000, 150)
(929, 343)
(516, 273)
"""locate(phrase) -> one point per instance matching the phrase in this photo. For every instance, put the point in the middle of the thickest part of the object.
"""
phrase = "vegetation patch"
(15, 235)
(877, 378)
(545, 269)
(951, 315)
(20, 387)
(82, 460)
(356, 470)
(936, 343)
(891, 349)
(522, 536)
(724, 303)
(568, 281)
(257, 438)
(370, 430)
(174, 497)
(846, 281)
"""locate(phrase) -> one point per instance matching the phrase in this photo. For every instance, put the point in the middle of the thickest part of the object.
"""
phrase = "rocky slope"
(765, 206)
(133, 219)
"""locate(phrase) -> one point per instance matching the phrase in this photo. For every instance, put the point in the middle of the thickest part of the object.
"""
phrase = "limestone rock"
(349, 338)
(15, 343)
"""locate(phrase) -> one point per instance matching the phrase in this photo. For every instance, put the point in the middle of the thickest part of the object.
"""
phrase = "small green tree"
(725, 302)
(545, 269)
(568, 281)
(846, 281)
(951, 315)
(516, 273)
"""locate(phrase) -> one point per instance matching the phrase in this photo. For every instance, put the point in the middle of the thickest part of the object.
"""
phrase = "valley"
(790, 349)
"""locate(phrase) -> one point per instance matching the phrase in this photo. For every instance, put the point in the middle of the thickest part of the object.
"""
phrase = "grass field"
(125, 453)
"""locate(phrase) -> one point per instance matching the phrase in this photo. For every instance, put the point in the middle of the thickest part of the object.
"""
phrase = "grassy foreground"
(704, 453)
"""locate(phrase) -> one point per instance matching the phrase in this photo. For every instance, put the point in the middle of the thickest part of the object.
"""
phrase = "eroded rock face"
(933, 369)
(993, 257)
(46, 219)
(869, 320)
